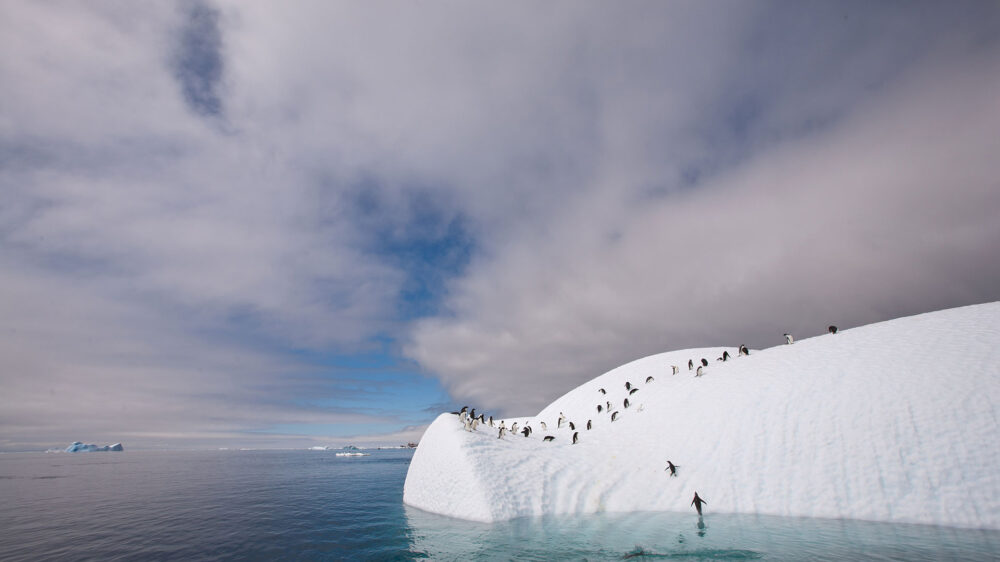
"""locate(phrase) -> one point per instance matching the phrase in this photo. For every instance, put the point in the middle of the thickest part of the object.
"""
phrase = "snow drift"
(895, 421)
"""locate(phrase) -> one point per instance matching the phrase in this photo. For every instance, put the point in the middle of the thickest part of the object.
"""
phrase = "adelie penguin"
(649, 379)
(725, 356)
(633, 391)
(588, 425)
(544, 427)
(690, 364)
(744, 350)
(562, 418)
(572, 427)
(501, 432)
(548, 438)
(674, 369)
(704, 362)
(696, 502)
(602, 391)
(832, 329)
(699, 372)
(576, 436)
(472, 414)
(789, 339)
(614, 416)
(628, 385)
(672, 468)
(599, 408)
(626, 402)
(526, 431)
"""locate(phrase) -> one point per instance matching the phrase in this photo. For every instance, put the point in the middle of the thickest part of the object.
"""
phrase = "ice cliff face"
(896, 421)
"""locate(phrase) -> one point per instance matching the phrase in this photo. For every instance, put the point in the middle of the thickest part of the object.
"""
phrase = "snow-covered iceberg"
(79, 447)
(895, 421)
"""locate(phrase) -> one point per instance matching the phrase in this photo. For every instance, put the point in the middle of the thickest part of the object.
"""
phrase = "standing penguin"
(744, 350)
(674, 369)
(572, 427)
(832, 329)
(696, 502)
(562, 418)
(704, 362)
(513, 427)
(628, 385)
(626, 402)
(690, 364)
(789, 339)
(588, 425)
(725, 356)
(502, 431)
(576, 436)
(491, 421)
(599, 408)
(544, 427)
(698, 373)
(672, 468)
(614, 416)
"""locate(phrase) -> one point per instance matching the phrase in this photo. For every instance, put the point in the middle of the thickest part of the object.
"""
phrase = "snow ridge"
(895, 421)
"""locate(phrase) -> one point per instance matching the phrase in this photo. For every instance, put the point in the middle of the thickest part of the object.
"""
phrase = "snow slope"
(895, 421)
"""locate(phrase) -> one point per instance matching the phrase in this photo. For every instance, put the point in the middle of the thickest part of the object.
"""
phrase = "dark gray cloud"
(554, 189)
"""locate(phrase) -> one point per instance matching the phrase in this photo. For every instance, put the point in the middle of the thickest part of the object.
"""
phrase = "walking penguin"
(672, 468)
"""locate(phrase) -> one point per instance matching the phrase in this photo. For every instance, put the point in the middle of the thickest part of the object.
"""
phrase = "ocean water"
(312, 505)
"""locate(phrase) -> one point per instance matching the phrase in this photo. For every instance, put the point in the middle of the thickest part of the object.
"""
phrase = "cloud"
(886, 210)
(200, 200)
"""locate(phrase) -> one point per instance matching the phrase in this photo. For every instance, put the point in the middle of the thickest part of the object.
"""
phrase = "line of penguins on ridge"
(471, 421)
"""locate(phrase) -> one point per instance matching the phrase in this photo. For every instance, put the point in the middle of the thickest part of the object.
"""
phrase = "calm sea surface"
(312, 505)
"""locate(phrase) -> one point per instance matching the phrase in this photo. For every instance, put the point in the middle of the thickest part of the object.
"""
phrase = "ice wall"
(895, 421)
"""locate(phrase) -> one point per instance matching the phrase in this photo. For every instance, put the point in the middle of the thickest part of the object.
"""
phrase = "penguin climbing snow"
(696, 502)
(789, 339)
(672, 468)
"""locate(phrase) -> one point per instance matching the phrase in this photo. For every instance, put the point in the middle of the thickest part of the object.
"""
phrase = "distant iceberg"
(79, 447)
(886, 422)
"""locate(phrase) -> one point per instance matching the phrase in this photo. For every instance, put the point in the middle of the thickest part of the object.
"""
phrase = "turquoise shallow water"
(311, 505)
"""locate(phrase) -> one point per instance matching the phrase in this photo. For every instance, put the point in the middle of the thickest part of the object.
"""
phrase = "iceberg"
(79, 447)
(894, 421)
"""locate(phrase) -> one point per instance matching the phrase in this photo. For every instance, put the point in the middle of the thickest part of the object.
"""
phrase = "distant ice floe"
(895, 421)
(79, 447)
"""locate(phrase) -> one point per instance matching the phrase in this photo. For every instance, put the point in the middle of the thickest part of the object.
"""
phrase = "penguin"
(602, 391)
(626, 402)
(526, 431)
(672, 468)
(562, 418)
(699, 373)
(472, 414)
(482, 418)
(491, 421)
(475, 423)
(464, 409)
(548, 438)
(628, 385)
(674, 369)
(468, 424)
(502, 431)
(744, 350)
(588, 425)
(513, 427)
(576, 436)
(690, 364)
(572, 427)
(832, 329)
(614, 416)
(704, 362)
(544, 427)
(633, 391)
(599, 408)
(789, 339)
(725, 356)
(696, 502)
(608, 406)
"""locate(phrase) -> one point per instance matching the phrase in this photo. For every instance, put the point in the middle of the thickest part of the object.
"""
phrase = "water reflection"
(610, 536)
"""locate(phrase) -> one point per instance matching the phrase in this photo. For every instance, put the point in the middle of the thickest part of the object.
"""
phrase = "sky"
(243, 224)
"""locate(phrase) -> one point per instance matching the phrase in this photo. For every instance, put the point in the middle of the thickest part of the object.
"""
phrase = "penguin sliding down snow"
(633, 391)
(576, 436)
(548, 438)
